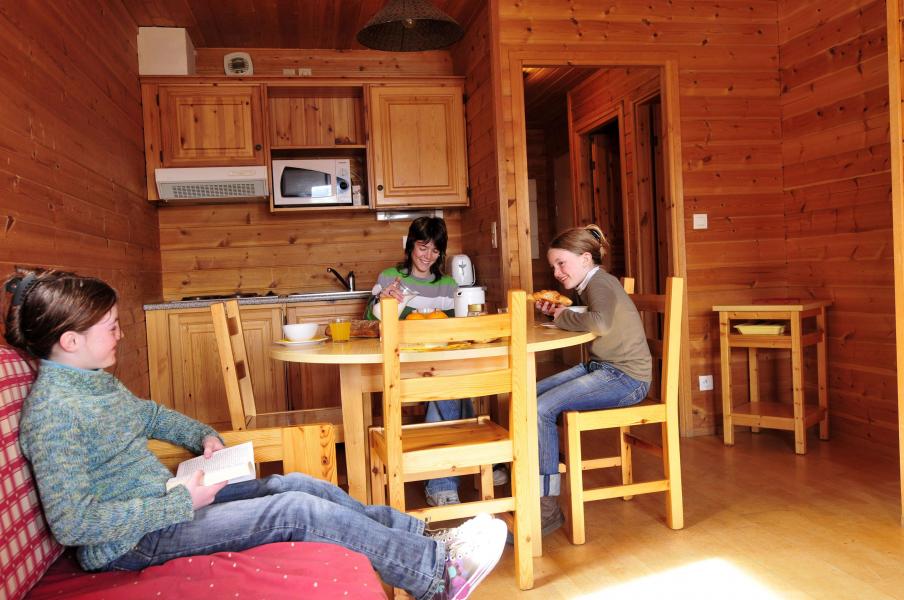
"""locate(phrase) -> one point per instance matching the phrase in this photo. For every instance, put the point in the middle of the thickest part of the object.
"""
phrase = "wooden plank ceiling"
(275, 23)
(545, 89)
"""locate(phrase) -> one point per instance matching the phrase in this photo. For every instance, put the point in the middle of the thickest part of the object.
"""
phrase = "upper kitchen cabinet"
(418, 146)
(211, 125)
(314, 117)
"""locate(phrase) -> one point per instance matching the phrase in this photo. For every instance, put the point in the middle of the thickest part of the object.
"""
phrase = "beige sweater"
(611, 315)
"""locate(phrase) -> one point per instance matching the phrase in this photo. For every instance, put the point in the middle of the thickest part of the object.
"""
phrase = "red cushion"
(27, 548)
(282, 570)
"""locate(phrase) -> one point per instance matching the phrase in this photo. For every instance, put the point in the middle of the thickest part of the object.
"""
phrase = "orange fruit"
(437, 314)
(415, 316)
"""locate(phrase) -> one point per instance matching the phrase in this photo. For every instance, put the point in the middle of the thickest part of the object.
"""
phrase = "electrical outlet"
(304, 72)
(288, 72)
(404, 241)
(706, 383)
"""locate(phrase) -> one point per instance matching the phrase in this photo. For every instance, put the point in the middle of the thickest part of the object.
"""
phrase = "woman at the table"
(620, 367)
(421, 271)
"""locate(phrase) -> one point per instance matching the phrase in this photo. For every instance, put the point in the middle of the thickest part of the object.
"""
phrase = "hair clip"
(19, 287)
(596, 234)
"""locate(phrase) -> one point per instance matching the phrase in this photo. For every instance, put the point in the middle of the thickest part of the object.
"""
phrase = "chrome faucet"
(348, 282)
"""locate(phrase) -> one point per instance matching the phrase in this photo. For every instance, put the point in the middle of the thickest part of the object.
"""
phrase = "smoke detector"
(238, 64)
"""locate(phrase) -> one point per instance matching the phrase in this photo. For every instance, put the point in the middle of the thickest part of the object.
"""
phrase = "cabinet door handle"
(380, 187)
(258, 147)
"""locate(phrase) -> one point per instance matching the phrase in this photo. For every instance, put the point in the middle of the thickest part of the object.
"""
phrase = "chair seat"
(649, 410)
(449, 445)
(299, 417)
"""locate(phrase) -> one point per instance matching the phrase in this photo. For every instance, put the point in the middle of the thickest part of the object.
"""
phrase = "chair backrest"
(227, 327)
(662, 316)
(472, 382)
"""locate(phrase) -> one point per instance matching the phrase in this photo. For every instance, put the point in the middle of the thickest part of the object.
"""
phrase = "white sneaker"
(471, 553)
(445, 536)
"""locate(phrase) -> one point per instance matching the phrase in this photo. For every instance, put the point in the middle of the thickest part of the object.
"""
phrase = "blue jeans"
(590, 386)
(297, 507)
(446, 410)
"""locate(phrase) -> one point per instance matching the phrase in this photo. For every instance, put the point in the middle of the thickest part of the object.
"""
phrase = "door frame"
(671, 139)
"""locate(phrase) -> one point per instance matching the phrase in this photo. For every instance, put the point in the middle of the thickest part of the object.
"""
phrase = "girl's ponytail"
(579, 240)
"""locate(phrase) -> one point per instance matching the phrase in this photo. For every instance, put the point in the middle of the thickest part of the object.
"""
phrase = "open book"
(232, 464)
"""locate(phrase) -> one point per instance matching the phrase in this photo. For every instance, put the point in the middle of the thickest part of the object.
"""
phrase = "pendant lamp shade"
(409, 26)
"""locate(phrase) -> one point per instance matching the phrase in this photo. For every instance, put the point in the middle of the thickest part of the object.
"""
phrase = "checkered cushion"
(27, 549)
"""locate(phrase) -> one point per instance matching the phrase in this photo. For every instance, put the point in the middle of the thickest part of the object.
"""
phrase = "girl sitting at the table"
(103, 491)
(422, 272)
(620, 367)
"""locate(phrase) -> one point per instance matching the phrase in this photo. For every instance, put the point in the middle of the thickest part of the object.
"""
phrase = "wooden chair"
(227, 326)
(660, 406)
(309, 449)
(400, 454)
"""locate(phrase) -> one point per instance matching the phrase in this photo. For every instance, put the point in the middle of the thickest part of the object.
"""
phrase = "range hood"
(212, 183)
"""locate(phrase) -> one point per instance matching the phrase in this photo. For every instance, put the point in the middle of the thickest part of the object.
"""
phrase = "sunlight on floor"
(711, 578)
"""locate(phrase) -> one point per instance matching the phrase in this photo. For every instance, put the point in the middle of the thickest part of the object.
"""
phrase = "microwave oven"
(312, 182)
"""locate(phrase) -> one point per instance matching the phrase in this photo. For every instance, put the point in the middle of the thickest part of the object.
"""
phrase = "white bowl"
(299, 332)
(578, 309)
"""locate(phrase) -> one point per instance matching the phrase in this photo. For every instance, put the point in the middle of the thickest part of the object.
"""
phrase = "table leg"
(727, 425)
(753, 373)
(533, 454)
(353, 422)
(821, 374)
(797, 386)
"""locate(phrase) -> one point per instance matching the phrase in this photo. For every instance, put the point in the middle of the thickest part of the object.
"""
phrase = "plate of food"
(310, 342)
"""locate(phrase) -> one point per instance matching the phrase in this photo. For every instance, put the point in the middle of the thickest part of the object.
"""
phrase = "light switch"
(701, 221)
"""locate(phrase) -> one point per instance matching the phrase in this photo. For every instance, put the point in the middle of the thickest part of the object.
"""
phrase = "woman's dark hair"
(583, 239)
(46, 304)
(426, 229)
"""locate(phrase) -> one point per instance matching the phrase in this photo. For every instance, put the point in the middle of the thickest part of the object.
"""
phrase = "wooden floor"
(760, 522)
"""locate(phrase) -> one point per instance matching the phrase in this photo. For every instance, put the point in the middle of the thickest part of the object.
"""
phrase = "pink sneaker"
(472, 550)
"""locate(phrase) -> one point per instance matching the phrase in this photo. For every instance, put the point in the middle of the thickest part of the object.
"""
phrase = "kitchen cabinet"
(418, 146)
(184, 363)
(210, 125)
(201, 125)
(316, 122)
(311, 385)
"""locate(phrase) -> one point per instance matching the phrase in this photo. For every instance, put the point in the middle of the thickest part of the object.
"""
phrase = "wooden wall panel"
(245, 247)
(837, 188)
(730, 120)
(472, 57)
(72, 157)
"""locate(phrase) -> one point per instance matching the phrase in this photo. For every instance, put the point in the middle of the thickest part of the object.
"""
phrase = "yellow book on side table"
(233, 464)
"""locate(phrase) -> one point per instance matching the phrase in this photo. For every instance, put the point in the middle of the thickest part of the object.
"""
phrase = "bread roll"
(550, 296)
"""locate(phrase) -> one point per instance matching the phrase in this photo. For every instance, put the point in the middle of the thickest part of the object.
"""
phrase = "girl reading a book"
(103, 491)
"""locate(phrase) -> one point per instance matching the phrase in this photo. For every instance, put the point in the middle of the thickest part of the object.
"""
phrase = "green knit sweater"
(86, 437)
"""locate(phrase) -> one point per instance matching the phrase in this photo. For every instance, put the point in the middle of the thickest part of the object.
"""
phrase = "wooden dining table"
(360, 374)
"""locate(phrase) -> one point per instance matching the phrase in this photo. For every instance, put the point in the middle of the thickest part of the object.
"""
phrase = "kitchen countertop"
(263, 300)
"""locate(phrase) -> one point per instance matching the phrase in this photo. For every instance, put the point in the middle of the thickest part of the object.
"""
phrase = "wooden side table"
(798, 416)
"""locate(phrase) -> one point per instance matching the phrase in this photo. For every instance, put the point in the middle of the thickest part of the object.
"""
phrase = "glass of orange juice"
(340, 329)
